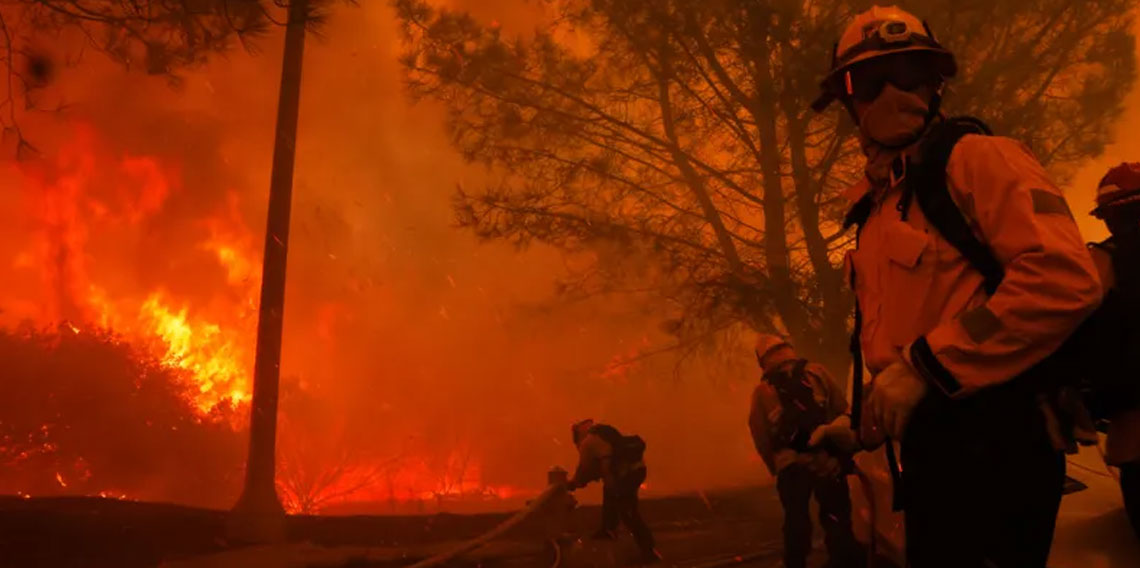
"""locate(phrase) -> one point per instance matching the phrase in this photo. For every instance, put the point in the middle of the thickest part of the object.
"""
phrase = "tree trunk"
(830, 334)
(763, 109)
(693, 179)
(258, 514)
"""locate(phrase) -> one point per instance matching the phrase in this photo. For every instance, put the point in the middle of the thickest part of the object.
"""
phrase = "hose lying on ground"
(514, 520)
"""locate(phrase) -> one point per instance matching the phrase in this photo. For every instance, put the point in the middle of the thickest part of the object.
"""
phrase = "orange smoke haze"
(418, 364)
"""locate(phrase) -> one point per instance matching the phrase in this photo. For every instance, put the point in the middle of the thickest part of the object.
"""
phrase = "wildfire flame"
(86, 191)
(459, 476)
(214, 359)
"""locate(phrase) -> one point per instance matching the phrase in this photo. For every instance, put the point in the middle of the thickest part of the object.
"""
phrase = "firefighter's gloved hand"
(822, 464)
(785, 458)
(838, 432)
(894, 394)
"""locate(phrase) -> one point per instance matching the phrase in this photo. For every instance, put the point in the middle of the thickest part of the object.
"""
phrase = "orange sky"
(1125, 148)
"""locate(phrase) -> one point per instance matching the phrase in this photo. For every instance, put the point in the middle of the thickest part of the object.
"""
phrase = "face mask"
(895, 118)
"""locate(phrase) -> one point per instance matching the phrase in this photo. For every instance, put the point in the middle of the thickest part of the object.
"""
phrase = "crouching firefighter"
(618, 460)
(969, 274)
(795, 404)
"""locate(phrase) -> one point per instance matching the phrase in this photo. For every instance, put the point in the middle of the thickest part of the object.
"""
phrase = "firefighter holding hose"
(605, 454)
(796, 407)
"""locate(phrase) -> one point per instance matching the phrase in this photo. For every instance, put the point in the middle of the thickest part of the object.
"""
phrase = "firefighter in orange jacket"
(1111, 352)
(954, 357)
(793, 407)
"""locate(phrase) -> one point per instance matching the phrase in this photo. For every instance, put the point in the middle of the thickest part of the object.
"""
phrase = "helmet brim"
(1128, 197)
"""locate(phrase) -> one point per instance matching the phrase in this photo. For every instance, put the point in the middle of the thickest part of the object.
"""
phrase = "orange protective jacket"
(922, 301)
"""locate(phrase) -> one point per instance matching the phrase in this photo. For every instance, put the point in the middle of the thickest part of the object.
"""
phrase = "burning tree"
(671, 142)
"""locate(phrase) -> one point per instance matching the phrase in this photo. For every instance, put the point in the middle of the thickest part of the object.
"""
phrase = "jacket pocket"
(907, 278)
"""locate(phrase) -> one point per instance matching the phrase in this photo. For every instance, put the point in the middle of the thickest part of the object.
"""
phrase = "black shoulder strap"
(859, 212)
(857, 216)
(927, 184)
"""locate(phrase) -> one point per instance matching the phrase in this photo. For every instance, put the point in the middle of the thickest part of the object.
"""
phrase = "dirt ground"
(694, 531)
(73, 532)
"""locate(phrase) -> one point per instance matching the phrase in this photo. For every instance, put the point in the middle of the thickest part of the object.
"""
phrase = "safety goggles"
(907, 71)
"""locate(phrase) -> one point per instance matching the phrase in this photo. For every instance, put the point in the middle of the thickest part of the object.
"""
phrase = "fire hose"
(556, 488)
(532, 507)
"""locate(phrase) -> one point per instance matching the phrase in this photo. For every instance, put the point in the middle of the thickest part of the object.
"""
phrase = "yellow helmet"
(882, 30)
(766, 343)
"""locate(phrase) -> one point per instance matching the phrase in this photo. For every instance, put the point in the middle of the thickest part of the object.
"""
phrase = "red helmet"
(1119, 186)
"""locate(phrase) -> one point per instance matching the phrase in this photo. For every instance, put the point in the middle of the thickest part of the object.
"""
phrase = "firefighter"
(969, 273)
(618, 461)
(1117, 397)
(794, 405)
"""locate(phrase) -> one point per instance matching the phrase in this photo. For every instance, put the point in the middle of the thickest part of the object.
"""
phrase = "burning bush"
(84, 412)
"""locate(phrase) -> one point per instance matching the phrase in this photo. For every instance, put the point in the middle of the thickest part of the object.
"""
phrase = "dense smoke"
(417, 362)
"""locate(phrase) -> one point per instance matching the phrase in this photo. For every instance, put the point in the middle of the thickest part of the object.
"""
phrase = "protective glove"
(823, 465)
(785, 458)
(894, 394)
(838, 432)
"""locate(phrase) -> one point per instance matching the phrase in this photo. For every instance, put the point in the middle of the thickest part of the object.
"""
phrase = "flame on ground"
(396, 481)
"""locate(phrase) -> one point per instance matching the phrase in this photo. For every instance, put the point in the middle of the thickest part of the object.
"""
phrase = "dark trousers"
(796, 484)
(1130, 489)
(620, 505)
(981, 483)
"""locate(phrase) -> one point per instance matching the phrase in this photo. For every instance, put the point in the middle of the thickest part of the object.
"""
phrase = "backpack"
(800, 412)
(628, 450)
